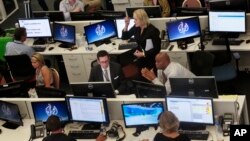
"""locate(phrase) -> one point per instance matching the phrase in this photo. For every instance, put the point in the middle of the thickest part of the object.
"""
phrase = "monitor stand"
(39, 41)
(107, 41)
(10, 125)
(64, 45)
(140, 129)
(91, 126)
(230, 35)
(192, 126)
(183, 43)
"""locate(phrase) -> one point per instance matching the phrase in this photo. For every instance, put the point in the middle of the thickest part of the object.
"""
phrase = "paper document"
(149, 44)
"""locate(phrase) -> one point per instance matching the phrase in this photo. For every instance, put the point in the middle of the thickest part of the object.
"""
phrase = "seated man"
(165, 70)
(107, 71)
(67, 6)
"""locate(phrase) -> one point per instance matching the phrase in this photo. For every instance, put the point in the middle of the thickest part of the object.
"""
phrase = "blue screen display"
(42, 110)
(184, 28)
(64, 33)
(100, 31)
(10, 112)
(138, 114)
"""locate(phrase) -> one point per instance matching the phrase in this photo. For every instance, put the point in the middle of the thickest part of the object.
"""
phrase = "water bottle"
(219, 132)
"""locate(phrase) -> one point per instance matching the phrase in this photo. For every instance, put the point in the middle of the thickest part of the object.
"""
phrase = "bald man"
(165, 70)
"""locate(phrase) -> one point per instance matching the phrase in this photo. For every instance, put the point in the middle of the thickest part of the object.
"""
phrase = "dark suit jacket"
(117, 77)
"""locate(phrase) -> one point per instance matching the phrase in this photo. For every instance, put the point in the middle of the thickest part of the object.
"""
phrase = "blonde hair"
(142, 16)
(39, 57)
(169, 122)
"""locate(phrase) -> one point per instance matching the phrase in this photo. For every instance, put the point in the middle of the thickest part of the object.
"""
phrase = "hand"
(101, 137)
(148, 74)
(77, 9)
(138, 54)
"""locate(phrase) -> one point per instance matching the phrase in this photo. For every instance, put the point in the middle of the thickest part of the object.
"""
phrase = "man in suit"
(108, 71)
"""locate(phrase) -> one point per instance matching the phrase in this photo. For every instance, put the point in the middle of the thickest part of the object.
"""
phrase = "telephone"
(37, 130)
(227, 121)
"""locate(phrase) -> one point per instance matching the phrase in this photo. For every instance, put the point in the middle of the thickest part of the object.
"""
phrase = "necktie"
(106, 75)
(164, 78)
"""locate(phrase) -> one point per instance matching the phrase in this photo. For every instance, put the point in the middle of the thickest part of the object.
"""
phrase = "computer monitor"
(199, 112)
(111, 15)
(100, 32)
(36, 28)
(84, 16)
(46, 92)
(191, 11)
(141, 115)
(13, 90)
(93, 89)
(226, 21)
(223, 5)
(43, 109)
(10, 113)
(149, 90)
(152, 11)
(200, 86)
(64, 33)
(183, 31)
(88, 110)
(52, 15)
(120, 24)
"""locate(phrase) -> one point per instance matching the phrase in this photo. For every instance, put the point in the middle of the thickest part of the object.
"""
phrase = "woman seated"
(43, 73)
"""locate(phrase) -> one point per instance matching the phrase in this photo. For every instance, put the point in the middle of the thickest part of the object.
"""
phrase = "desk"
(22, 133)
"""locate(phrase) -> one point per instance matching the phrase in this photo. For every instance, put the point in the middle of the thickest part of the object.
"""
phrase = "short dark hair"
(102, 53)
(53, 123)
(19, 32)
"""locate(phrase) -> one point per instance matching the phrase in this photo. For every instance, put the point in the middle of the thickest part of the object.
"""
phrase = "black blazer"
(116, 74)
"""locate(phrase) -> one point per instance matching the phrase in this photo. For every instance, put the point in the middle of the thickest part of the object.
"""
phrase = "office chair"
(94, 63)
(45, 92)
(3, 42)
(191, 3)
(56, 78)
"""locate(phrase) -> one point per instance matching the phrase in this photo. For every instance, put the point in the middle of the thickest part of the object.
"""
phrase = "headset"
(113, 132)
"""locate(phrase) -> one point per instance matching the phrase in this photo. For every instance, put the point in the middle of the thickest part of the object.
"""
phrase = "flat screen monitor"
(111, 15)
(183, 29)
(88, 110)
(198, 111)
(100, 32)
(46, 92)
(152, 11)
(84, 16)
(223, 5)
(43, 109)
(36, 28)
(149, 90)
(200, 86)
(13, 89)
(52, 15)
(142, 114)
(10, 113)
(120, 24)
(191, 11)
(93, 89)
(64, 33)
(227, 21)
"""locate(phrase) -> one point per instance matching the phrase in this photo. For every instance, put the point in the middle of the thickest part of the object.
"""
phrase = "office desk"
(22, 133)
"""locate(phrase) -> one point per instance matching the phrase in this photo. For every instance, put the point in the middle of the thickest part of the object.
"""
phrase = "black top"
(161, 137)
(150, 32)
(58, 137)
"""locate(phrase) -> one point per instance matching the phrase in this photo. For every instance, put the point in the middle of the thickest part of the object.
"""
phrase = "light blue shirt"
(18, 48)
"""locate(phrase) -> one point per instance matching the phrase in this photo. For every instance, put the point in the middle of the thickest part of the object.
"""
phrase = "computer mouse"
(113, 43)
(0, 131)
(50, 48)
(247, 41)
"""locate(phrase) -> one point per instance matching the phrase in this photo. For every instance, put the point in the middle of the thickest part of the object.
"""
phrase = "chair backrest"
(191, 3)
(20, 67)
(202, 63)
(56, 78)
(3, 42)
(94, 63)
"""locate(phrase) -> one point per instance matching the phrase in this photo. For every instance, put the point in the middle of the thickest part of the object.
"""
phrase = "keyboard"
(231, 42)
(129, 45)
(39, 48)
(195, 135)
(84, 134)
(39, 42)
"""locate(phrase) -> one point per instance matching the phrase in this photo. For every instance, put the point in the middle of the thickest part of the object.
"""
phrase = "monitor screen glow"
(183, 29)
(64, 33)
(197, 110)
(233, 21)
(42, 110)
(120, 24)
(10, 112)
(36, 28)
(142, 114)
(100, 31)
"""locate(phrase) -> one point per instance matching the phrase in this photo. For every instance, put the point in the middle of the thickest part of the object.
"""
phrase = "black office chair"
(44, 92)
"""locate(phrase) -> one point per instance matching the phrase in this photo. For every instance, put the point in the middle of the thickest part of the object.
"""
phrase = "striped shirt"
(18, 48)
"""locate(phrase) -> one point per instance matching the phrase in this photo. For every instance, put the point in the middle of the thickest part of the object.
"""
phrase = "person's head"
(103, 58)
(141, 18)
(37, 60)
(169, 122)
(53, 123)
(162, 60)
(20, 34)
